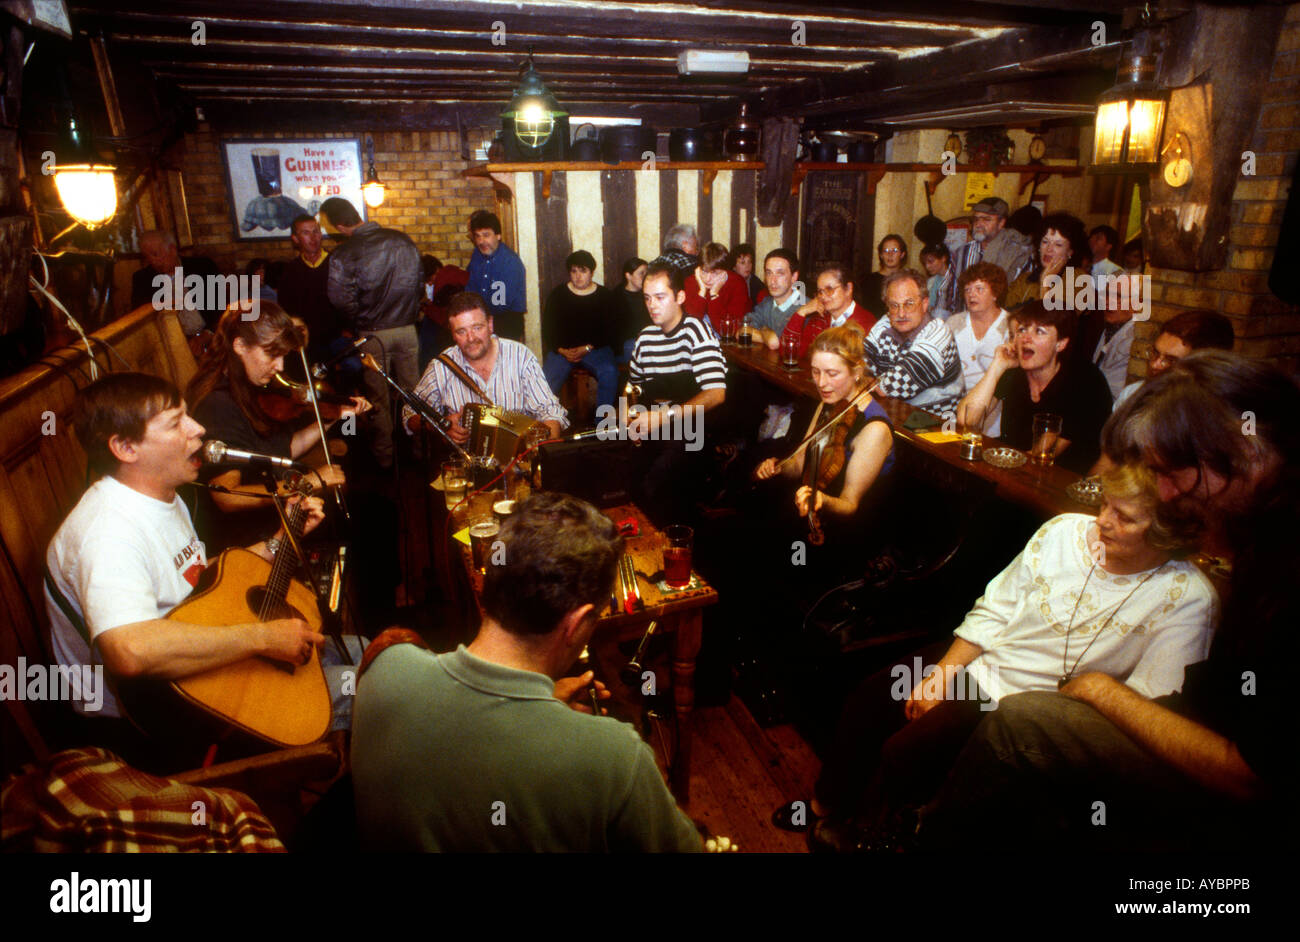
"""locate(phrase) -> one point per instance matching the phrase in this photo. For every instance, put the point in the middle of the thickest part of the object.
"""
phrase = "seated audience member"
(226, 391)
(1034, 374)
(127, 555)
(261, 268)
(632, 315)
(912, 354)
(1062, 245)
(742, 264)
(1202, 770)
(1181, 335)
(1103, 595)
(1103, 241)
(440, 283)
(833, 307)
(489, 748)
(161, 263)
(682, 249)
(935, 259)
(1134, 258)
(892, 252)
(301, 290)
(676, 361)
(781, 298)
(578, 322)
(505, 370)
(715, 294)
(981, 327)
(1111, 354)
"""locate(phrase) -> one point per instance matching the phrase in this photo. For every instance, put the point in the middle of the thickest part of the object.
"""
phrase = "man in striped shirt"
(676, 359)
(914, 355)
(507, 371)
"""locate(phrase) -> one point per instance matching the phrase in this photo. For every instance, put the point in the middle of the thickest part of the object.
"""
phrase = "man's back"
(455, 753)
(374, 278)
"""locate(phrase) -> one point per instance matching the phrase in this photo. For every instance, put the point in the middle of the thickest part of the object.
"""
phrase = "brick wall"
(427, 198)
(1265, 325)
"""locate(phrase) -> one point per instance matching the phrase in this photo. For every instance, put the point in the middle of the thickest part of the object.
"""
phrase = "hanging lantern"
(83, 179)
(372, 191)
(1130, 118)
(533, 111)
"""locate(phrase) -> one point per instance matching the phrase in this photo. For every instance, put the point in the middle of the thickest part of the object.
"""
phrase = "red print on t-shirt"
(191, 562)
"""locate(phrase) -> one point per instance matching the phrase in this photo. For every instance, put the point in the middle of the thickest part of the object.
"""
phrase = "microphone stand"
(418, 406)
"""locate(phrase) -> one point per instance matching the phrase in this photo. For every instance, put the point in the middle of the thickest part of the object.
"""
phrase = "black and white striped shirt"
(679, 365)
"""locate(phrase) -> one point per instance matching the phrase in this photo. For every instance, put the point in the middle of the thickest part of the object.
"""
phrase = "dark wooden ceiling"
(895, 62)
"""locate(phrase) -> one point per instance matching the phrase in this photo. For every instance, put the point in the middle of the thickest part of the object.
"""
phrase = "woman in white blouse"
(1103, 594)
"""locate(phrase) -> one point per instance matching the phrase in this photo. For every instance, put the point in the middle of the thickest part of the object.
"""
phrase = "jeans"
(600, 361)
(398, 350)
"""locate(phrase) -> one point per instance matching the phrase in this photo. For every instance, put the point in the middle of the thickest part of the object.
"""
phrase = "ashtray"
(1003, 457)
(1086, 491)
(666, 589)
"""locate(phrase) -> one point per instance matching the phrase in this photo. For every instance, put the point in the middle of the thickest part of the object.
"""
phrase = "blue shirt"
(504, 267)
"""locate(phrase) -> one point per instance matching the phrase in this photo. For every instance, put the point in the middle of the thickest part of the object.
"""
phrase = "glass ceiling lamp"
(83, 179)
(533, 109)
(1130, 117)
(372, 191)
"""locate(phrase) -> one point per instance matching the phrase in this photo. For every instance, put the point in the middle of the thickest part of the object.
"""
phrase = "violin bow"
(853, 403)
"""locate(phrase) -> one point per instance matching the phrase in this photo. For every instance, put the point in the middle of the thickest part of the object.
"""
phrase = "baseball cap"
(993, 204)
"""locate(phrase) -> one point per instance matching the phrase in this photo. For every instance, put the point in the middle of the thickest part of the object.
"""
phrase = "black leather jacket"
(374, 278)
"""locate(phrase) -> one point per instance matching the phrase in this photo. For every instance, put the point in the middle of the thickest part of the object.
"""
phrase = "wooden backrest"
(42, 476)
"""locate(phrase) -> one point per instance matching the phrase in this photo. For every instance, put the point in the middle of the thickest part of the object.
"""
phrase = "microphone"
(321, 370)
(215, 452)
(631, 672)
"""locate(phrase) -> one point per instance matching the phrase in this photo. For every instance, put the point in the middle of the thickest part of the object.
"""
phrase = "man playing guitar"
(127, 554)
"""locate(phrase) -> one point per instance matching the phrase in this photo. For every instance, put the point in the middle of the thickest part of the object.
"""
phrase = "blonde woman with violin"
(853, 455)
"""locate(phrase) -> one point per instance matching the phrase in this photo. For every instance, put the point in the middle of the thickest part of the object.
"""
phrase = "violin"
(823, 463)
(285, 400)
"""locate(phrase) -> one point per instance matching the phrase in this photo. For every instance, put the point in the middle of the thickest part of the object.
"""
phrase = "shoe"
(783, 817)
(833, 836)
(897, 835)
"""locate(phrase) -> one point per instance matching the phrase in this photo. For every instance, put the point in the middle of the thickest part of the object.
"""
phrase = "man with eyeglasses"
(833, 307)
(1180, 336)
(506, 370)
(913, 354)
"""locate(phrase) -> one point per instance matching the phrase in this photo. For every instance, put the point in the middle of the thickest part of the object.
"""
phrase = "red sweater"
(806, 328)
(732, 301)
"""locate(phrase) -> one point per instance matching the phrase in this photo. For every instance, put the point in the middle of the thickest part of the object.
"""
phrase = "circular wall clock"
(1037, 148)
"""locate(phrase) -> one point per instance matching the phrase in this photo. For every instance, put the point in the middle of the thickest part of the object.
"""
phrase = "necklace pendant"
(1062, 681)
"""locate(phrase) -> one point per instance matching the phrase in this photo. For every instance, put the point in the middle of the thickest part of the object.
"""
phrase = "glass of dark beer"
(266, 169)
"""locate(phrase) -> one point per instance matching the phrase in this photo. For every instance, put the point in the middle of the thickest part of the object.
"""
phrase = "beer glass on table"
(677, 556)
(1046, 432)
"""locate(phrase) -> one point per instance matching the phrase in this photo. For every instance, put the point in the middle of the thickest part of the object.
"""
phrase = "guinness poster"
(270, 183)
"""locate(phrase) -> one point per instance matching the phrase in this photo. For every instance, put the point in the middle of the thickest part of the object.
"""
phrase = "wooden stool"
(578, 396)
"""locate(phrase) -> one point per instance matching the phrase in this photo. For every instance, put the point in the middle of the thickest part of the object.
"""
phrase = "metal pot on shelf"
(692, 144)
(620, 143)
(741, 140)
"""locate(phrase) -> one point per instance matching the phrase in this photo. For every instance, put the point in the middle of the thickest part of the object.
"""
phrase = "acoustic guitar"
(274, 702)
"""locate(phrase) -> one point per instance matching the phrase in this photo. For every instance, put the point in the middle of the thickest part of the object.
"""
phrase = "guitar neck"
(286, 560)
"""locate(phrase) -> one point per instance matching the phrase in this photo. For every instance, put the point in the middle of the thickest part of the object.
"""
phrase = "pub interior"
(931, 370)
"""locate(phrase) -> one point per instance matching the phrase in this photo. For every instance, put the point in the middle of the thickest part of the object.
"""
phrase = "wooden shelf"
(877, 171)
(546, 168)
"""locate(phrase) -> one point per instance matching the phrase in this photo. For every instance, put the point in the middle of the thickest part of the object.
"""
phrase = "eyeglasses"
(908, 305)
(891, 251)
(1155, 356)
(827, 291)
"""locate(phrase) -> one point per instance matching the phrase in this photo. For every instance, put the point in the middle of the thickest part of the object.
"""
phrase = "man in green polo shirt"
(475, 750)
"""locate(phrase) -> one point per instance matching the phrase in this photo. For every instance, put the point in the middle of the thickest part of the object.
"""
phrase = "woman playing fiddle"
(226, 398)
(855, 454)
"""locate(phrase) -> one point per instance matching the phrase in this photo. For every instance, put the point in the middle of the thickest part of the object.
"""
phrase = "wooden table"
(679, 613)
(1042, 489)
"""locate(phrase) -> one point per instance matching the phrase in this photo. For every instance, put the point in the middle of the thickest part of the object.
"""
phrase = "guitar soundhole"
(256, 598)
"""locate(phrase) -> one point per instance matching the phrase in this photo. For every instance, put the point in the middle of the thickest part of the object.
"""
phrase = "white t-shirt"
(119, 558)
(1022, 618)
(978, 355)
